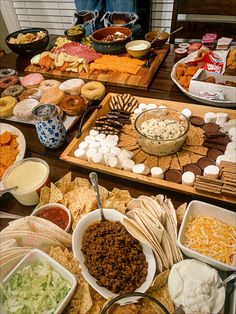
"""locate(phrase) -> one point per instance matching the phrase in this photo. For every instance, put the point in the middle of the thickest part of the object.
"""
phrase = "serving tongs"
(94, 181)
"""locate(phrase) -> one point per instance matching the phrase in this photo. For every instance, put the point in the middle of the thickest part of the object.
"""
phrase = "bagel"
(52, 96)
(14, 91)
(32, 80)
(72, 86)
(34, 93)
(7, 81)
(47, 84)
(7, 72)
(7, 104)
(23, 109)
(73, 105)
(93, 90)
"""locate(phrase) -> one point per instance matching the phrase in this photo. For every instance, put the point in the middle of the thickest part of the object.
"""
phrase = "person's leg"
(88, 5)
(121, 6)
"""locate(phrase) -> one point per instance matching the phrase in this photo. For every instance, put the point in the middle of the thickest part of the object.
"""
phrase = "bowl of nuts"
(161, 131)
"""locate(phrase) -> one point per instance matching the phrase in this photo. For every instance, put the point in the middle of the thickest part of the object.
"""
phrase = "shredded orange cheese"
(212, 238)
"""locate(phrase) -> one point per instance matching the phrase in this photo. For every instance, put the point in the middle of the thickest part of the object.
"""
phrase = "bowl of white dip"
(29, 175)
(138, 48)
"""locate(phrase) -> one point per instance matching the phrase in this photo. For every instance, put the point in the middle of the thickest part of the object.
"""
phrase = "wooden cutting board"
(141, 80)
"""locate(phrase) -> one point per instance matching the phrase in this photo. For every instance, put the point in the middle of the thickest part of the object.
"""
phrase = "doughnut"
(34, 93)
(73, 105)
(52, 96)
(7, 72)
(7, 104)
(93, 90)
(23, 109)
(7, 81)
(47, 84)
(32, 80)
(72, 86)
(14, 91)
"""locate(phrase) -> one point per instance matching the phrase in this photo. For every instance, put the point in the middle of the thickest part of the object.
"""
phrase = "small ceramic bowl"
(159, 41)
(44, 210)
(138, 48)
(75, 33)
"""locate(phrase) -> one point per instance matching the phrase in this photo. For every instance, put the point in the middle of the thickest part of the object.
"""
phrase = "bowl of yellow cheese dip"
(29, 175)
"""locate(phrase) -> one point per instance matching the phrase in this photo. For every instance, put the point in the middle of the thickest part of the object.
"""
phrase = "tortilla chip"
(118, 199)
(56, 194)
(81, 182)
(64, 182)
(44, 195)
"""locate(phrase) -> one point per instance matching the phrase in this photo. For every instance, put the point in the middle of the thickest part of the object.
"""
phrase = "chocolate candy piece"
(215, 135)
(214, 153)
(193, 168)
(196, 121)
(219, 140)
(173, 176)
(205, 161)
(214, 145)
(118, 111)
(210, 127)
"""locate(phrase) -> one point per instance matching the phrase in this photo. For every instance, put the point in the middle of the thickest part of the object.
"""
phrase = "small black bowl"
(29, 48)
(76, 37)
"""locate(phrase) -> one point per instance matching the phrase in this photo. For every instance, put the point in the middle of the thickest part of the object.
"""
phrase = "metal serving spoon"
(94, 181)
(7, 190)
(228, 279)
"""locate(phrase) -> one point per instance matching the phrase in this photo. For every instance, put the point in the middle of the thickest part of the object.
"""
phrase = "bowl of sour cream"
(29, 175)
(138, 48)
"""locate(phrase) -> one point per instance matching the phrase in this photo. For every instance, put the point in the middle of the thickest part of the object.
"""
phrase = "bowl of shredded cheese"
(208, 233)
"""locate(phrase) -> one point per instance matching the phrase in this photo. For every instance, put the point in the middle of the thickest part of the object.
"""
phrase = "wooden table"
(161, 87)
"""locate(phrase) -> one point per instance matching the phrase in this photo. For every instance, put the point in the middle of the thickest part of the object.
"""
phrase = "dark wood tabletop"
(161, 87)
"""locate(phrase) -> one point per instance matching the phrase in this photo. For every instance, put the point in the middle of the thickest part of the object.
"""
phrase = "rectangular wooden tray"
(68, 154)
(141, 80)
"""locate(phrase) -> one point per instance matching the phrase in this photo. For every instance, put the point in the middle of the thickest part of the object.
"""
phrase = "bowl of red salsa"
(56, 213)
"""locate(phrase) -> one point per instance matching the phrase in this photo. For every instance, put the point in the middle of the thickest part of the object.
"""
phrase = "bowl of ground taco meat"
(112, 261)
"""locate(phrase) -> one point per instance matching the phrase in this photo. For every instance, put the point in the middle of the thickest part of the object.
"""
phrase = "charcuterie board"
(68, 154)
(141, 80)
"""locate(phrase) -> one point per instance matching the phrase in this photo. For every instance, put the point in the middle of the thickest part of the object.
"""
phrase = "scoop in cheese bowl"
(112, 261)
(161, 131)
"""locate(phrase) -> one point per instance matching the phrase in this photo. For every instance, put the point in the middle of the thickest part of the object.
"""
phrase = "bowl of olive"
(75, 33)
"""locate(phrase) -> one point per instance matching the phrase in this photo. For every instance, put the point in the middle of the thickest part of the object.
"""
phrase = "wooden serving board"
(141, 80)
(68, 154)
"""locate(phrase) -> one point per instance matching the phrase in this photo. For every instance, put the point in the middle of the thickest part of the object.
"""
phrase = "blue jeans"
(111, 5)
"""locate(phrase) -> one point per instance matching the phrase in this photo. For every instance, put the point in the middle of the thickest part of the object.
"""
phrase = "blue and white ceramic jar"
(50, 128)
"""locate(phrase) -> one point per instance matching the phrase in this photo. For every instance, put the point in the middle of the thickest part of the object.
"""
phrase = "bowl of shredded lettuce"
(38, 284)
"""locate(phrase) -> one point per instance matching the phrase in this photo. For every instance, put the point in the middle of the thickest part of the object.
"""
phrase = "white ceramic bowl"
(138, 48)
(83, 224)
(197, 208)
(38, 255)
(42, 208)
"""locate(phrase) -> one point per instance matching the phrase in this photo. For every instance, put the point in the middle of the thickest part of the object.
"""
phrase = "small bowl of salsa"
(56, 213)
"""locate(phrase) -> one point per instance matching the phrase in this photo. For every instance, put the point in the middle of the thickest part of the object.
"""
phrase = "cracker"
(207, 188)
(175, 163)
(195, 136)
(200, 150)
(164, 162)
(151, 161)
(194, 157)
(183, 158)
(140, 157)
(133, 148)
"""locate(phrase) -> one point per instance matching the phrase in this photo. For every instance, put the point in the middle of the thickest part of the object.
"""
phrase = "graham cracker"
(164, 162)
(195, 136)
(207, 188)
(200, 150)
(183, 158)
(151, 161)
(140, 157)
(175, 163)
(194, 157)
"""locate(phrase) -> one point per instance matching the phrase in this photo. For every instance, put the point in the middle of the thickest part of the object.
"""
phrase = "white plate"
(82, 225)
(216, 103)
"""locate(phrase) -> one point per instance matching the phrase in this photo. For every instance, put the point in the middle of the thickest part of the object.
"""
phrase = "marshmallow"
(137, 112)
(210, 117)
(231, 146)
(107, 157)
(89, 139)
(221, 158)
(187, 113)
(221, 118)
(125, 154)
(104, 142)
(142, 106)
(83, 145)
(140, 169)
(93, 132)
(114, 162)
(211, 172)
(80, 153)
(230, 154)
(127, 164)
(90, 152)
(232, 133)
(151, 106)
(94, 145)
(104, 150)
(114, 138)
(188, 178)
(100, 137)
(115, 150)
(111, 143)
(98, 158)
(157, 172)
